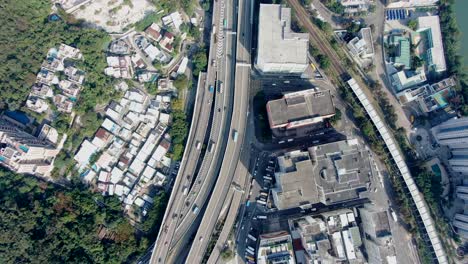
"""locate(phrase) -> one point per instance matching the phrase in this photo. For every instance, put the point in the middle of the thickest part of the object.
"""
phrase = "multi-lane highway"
(231, 162)
(180, 214)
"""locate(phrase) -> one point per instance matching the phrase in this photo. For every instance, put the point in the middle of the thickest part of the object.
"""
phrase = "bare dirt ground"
(113, 15)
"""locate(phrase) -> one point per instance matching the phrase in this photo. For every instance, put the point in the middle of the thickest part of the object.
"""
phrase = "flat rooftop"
(436, 57)
(300, 106)
(276, 42)
(329, 173)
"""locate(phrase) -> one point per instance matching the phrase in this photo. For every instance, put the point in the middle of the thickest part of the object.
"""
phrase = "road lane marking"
(243, 64)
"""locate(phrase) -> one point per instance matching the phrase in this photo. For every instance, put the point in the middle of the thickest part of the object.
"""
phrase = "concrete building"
(300, 109)
(23, 152)
(430, 97)
(460, 221)
(354, 6)
(280, 50)
(275, 248)
(403, 55)
(404, 80)
(452, 133)
(363, 45)
(328, 174)
(377, 236)
(462, 193)
(429, 27)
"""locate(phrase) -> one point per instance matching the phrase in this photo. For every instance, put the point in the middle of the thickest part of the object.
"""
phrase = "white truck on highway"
(235, 134)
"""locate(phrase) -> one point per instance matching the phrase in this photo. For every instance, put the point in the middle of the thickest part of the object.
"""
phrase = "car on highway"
(198, 145)
(211, 88)
(210, 145)
(195, 209)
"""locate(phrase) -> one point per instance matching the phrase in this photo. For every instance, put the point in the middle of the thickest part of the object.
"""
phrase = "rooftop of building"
(299, 106)
(436, 56)
(277, 43)
(328, 173)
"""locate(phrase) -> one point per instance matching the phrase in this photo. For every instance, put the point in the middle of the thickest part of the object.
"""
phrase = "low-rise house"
(119, 47)
(138, 62)
(182, 66)
(37, 104)
(41, 90)
(152, 51)
(355, 6)
(165, 85)
(166, 42)
(362, 46)
(69, 88)
(87, 149)
(154, 32)
(66, 51)
(63, 103)
(430, 97)
(52, 64)
(119, 67)
(46, 77)
(147, 76)
(75, 75)
(173, 20)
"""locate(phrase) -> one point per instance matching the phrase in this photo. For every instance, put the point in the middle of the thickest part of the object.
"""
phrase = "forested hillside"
(41, 223)
(25, 37)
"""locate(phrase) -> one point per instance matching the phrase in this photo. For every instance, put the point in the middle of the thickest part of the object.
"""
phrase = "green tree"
(324, 61)
(200, 62)
(413, 24)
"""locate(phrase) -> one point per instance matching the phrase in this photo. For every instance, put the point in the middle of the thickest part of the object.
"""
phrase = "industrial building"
(279, 49)
(300, 109)
(328, 174)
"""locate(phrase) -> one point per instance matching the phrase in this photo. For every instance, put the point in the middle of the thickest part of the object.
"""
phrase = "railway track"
(318, 38)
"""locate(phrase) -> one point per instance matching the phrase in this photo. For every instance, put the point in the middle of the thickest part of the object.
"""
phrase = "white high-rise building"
(24, 153)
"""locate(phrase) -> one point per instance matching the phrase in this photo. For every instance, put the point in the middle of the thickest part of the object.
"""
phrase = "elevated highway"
(179, 218)
(231, 164)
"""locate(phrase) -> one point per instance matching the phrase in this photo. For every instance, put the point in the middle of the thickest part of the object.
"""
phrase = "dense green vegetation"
(334, 6)
(30, 36)
(324, 61)
(200, 61)
(42, 223)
